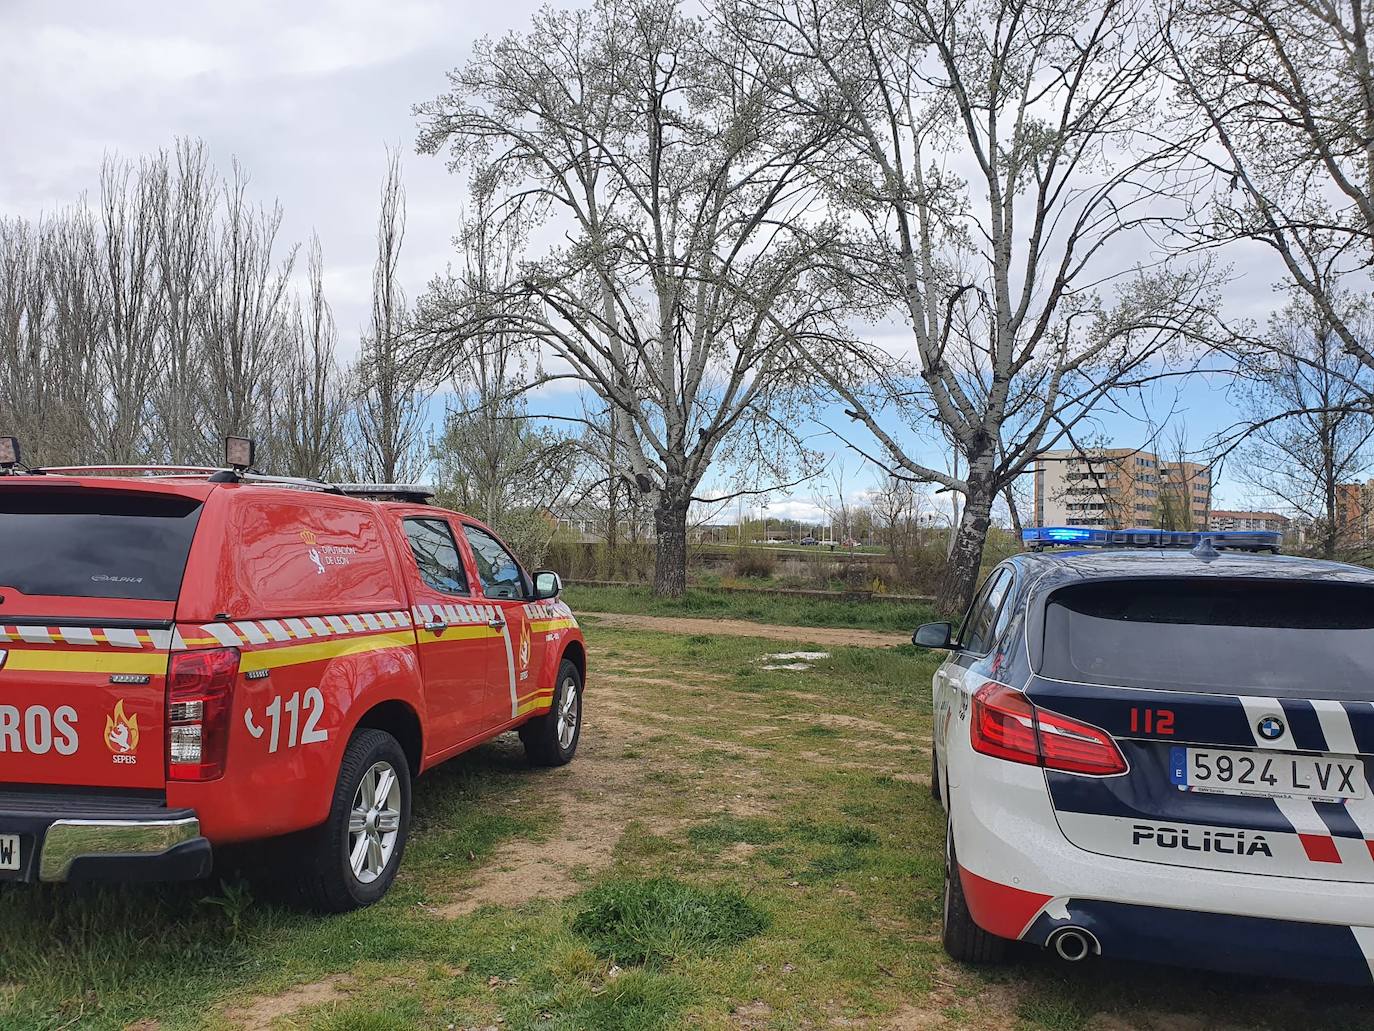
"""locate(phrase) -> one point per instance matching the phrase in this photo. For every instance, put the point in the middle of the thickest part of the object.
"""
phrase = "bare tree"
(1179, 479)
(128, 346)
(311, 403)
(246, 324)
(1031, 289)
(836, 505)
(148, 330)
(53, 314)
(1306, 438)
(685, 237)
(896, 511)
(390, 406)
(1279, 98)
(187, 188)
(492, 460)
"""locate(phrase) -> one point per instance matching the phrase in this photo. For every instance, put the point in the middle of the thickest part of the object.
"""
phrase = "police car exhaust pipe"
(1073, 945)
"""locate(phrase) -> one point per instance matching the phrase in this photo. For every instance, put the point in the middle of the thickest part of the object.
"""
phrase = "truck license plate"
(9, 851)
(1271, 774)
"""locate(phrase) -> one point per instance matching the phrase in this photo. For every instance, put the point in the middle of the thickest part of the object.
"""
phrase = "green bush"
(656, 921)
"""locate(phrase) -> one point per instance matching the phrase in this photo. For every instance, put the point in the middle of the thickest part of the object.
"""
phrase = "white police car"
(1159, 748)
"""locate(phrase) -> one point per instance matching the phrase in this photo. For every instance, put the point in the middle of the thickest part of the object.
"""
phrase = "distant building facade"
(1224, 519)
(1120, 487)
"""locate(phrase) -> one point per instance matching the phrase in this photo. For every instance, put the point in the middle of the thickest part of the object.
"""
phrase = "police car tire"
(963, 939)
(540, 735)
(325, 881)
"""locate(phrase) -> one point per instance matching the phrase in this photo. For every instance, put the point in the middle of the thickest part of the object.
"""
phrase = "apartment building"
(1119, 488)
(1224, 519)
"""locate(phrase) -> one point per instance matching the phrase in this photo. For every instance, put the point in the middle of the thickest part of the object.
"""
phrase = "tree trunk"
(1013, 511)
(670, 548)
(960, 578)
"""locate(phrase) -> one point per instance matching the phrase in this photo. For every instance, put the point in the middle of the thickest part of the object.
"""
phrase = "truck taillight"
(200, 694)
(1007, 726)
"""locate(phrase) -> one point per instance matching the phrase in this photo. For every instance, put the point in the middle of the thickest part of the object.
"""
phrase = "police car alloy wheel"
(963, 939)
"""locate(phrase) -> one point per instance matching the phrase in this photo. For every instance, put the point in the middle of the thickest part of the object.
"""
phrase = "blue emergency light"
(1037, 538)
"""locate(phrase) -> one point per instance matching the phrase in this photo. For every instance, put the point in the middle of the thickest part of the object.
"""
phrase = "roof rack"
(1038, 538)
(300, 482)
(181, 472)
(415, 493)
(127, 470)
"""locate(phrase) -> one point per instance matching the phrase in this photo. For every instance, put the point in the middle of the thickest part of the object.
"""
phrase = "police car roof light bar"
(1038, 538)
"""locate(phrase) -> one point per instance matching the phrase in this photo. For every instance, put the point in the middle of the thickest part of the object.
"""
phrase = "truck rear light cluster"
(1007, 726)
(200, 694)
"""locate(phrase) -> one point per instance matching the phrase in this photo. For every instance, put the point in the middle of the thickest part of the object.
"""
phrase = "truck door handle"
(437, 625)
(496, 624)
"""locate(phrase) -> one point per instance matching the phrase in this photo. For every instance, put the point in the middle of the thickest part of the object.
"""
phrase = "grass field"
(760, 608)
(733, 848)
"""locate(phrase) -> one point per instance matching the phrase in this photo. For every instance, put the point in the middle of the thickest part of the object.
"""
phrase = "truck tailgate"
(89, 582)
(83, 705)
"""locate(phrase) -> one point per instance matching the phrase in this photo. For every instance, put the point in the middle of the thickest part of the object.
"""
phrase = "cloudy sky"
(307, 97)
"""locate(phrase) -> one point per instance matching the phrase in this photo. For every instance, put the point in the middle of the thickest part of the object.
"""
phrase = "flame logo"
(121, 731)
(525, 644)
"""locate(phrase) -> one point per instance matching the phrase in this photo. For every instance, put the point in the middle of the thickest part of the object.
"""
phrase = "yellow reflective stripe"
(296, 654)
(543, 626)
(458, 632)
(86, 661)
(537, 702)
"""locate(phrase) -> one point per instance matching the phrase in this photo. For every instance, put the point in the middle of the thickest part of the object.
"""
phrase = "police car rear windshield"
(1281, 638)
(95, 544)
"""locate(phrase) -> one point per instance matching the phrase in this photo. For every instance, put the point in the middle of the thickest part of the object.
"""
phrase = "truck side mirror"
(934, 635)
(547, 584)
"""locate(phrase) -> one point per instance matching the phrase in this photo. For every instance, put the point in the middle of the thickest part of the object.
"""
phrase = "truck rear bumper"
(69, 837)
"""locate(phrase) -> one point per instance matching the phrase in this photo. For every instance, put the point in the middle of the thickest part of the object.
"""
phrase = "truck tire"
(350, 860)
(963, 939)
(551, 739)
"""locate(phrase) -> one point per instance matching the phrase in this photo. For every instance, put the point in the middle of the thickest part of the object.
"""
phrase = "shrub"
(755, 563)
(631, 561)
(656, 921)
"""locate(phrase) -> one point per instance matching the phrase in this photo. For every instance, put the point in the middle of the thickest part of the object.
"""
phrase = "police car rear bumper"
(1008, 836)
(66, 837)
(1214, 941)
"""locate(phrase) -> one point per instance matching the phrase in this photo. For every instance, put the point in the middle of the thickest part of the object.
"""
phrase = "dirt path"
(744, 628)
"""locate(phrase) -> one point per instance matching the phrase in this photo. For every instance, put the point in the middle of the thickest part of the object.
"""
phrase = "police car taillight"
(1007, 726)
(200, 693)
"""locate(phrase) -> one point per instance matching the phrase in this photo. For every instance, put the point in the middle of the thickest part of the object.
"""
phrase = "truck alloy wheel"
(351, 859)
(375, 822)
(569, 711)
(551, 739)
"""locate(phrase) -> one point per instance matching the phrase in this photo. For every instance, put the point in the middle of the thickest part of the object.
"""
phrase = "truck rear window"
(1281, 638)
(95, 544)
